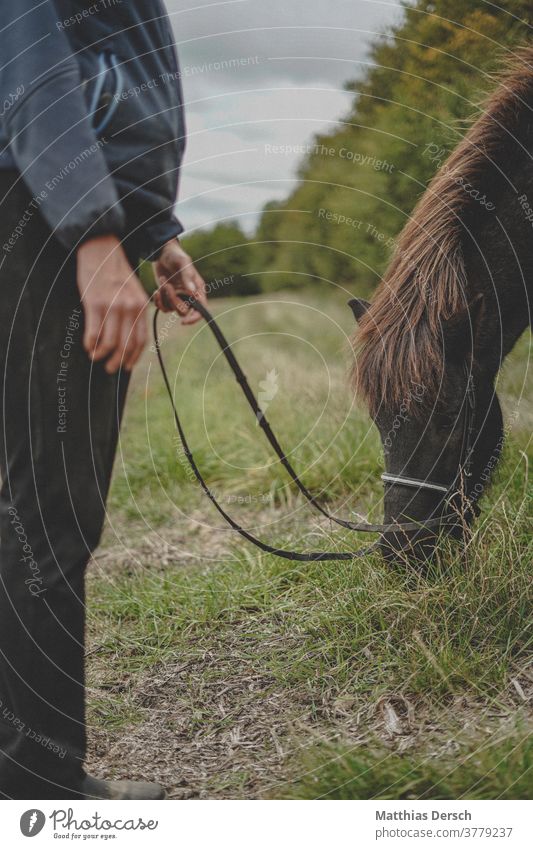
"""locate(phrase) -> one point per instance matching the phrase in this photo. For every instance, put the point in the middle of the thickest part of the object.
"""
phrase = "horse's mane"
(399, 343)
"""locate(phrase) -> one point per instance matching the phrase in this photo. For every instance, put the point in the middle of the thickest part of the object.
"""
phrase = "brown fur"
(399, 343)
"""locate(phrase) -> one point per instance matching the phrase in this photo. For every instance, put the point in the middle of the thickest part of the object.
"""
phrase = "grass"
(330, 675)
(478, 772)
(307, 349)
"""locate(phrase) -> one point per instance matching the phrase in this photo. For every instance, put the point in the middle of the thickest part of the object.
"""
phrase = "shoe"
(96, 788)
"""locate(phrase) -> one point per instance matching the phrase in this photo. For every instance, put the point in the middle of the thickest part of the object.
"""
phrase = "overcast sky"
(259, 74)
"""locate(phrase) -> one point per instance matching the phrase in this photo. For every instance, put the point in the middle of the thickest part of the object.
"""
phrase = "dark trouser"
(60, 418)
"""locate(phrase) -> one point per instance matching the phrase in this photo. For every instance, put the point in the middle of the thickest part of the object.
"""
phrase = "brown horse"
(452, 304)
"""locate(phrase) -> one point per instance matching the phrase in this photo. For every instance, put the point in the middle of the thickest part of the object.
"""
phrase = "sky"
(260, 78)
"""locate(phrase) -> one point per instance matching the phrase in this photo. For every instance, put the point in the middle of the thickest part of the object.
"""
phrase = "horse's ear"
(461, 330)
(358, 307)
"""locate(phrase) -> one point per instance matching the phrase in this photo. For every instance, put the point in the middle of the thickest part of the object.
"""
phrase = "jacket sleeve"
(167, 226)
(48, 128)
(159, 232)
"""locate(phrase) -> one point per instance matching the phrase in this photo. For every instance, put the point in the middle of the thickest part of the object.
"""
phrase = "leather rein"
(389, 479)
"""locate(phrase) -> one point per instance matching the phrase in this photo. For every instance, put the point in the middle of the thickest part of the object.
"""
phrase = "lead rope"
(363, 527)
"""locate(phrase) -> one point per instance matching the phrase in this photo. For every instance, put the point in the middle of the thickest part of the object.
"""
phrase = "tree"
(428, 76)
(225, 258)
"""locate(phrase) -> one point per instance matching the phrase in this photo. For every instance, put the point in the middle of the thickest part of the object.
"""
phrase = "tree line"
(426, 79)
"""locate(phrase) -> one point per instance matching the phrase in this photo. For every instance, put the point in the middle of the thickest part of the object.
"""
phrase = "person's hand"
(114, 303)
(175, 272)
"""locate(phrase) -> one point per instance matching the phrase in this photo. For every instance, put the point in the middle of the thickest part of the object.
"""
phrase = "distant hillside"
(427, 78)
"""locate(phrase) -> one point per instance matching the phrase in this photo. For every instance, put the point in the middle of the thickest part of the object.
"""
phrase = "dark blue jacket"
(91, 115)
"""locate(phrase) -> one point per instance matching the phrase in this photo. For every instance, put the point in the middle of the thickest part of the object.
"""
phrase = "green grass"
(323, 634)
(312, 411)
(479, 772)
(461, 627)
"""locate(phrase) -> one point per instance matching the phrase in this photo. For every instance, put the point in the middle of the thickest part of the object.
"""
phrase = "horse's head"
(439, 447)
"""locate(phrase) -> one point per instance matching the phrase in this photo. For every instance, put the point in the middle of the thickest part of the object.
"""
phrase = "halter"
(467, 448)
(364, 527)
(413, 482)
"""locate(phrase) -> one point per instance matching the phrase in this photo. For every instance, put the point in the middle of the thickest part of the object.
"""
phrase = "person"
(91, 137)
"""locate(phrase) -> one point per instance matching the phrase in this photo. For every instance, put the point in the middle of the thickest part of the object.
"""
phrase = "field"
(228, 674)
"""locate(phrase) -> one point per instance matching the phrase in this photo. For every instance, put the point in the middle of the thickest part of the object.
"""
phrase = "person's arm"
(56, 151)
(158, 234)
(167, 228)
(49, 131)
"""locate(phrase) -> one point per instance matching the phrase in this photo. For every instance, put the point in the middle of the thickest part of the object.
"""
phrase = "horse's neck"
(499, 263)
